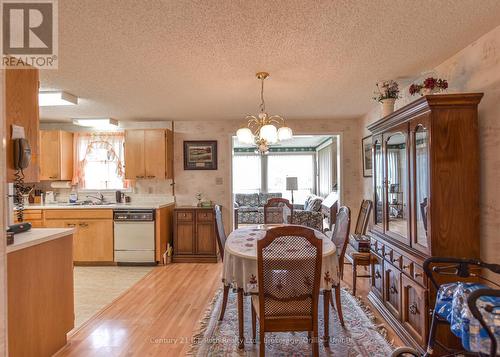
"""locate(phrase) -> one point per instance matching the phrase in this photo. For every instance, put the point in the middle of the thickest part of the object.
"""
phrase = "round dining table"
(240, 268)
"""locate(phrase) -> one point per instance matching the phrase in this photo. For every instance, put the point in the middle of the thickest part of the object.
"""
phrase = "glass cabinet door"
(420, 138)
(397, 198)
(378, 180)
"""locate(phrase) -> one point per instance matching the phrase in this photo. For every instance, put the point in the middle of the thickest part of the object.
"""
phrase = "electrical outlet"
(219, 181)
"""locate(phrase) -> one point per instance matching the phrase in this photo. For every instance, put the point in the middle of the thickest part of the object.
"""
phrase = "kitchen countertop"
(37, 236)
(132, 205)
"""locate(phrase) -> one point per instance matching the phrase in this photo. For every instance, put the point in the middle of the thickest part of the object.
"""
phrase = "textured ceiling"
(192, 60)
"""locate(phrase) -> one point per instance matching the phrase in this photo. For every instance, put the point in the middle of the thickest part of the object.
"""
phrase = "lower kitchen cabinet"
(194, 235)
(93, 237)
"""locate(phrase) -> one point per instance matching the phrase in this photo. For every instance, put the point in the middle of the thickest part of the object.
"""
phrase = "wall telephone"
(22, 158)
(22, 154)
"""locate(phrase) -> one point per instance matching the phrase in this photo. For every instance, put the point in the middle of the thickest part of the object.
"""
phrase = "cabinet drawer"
(205, 216)
(396, 259)
(184, 216)
(77, 213)
(392, 289)
(414, 316)
(388, 254)
(407, 266)
(419, 275)
(379, 249)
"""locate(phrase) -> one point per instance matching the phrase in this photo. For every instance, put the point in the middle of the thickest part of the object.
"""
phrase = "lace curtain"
(99, 161)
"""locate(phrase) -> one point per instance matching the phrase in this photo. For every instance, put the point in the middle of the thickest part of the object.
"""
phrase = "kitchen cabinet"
(148, 154)
(194, 235)
(21, 109)
(40, 293)
(93, 237)
(163, 231)
(34, 216)
(56, 155)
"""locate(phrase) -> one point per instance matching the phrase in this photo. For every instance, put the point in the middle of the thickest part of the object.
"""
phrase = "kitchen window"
(99, 161)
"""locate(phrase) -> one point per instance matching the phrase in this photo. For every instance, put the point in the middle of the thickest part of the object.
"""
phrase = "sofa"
(249, 207)
(309, 214)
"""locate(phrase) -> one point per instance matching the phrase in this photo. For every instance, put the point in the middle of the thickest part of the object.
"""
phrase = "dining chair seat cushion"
(290, 309)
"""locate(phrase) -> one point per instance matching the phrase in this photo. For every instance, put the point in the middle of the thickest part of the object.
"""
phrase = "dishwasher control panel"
(138, 215)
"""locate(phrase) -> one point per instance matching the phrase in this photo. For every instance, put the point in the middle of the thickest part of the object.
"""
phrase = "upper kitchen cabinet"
(21, 109)
(148, 154)
(56, 155)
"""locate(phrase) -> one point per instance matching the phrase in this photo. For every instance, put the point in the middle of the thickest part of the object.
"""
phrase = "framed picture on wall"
(200, 155)
(366, 148)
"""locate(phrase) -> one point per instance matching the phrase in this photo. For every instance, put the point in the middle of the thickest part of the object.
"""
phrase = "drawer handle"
(377, 275)
(418, 275)
(84, 225)
(406, 266)
(395, 260)
(413, 308)
(70, 225)
(393, 290)
(52, 177)
(387, 254)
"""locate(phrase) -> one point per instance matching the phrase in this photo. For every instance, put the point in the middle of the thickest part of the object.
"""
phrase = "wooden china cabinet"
(426, 203)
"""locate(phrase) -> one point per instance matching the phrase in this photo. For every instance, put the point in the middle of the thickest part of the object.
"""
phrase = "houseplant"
(387, 92)
(430, 85)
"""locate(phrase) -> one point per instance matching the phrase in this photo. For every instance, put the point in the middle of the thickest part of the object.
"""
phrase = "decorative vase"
(428, 91)
(387, 106)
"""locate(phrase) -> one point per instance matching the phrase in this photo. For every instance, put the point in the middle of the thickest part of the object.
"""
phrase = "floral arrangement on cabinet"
(430, 85)
(387, 92)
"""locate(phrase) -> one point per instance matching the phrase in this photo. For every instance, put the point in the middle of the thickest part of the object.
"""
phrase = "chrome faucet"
(100, 197)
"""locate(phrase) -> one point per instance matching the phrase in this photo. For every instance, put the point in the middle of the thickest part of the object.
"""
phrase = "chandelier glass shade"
(263, 130)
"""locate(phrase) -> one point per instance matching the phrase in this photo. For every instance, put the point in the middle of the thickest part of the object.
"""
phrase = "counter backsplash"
(149, 191)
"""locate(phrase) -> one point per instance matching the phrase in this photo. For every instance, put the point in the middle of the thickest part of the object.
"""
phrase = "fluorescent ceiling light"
(99, 123)
(48, 99)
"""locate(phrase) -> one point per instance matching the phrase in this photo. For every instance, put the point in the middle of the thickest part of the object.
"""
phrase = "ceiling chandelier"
(263, 130)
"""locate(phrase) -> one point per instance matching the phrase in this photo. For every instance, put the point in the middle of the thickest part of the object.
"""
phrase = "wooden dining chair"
(288, 272)
(358, 259)
(221, 242)
(340, 238)
(277, 211)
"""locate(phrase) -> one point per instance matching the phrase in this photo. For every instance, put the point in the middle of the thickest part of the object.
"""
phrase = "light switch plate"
(219, 181)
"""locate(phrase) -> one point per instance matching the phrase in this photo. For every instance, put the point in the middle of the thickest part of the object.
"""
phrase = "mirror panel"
(379, 182)
(421, 184)
(397, 187)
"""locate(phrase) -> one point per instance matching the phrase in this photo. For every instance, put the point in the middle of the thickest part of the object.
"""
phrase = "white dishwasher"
(134, 236)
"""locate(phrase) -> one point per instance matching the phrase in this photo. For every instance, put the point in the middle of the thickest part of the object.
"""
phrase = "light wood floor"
(159, 314)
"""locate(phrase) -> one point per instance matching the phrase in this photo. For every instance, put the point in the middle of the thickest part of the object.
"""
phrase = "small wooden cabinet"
(93, 237)
(194, 235)
(148, 154)
(56, 155)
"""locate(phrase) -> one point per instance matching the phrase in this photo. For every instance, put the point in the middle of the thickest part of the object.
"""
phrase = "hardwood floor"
(157, 316)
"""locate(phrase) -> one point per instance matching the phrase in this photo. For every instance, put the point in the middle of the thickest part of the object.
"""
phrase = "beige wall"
(3, 218)
(190, 182)
(474, 69)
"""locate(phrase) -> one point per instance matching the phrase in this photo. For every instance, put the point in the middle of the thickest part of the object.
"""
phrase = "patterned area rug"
(360, 337)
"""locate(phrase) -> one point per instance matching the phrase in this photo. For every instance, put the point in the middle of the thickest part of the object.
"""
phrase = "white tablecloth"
(240, 259)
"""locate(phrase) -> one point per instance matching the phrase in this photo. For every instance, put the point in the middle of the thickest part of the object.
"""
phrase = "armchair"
(309, 214)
